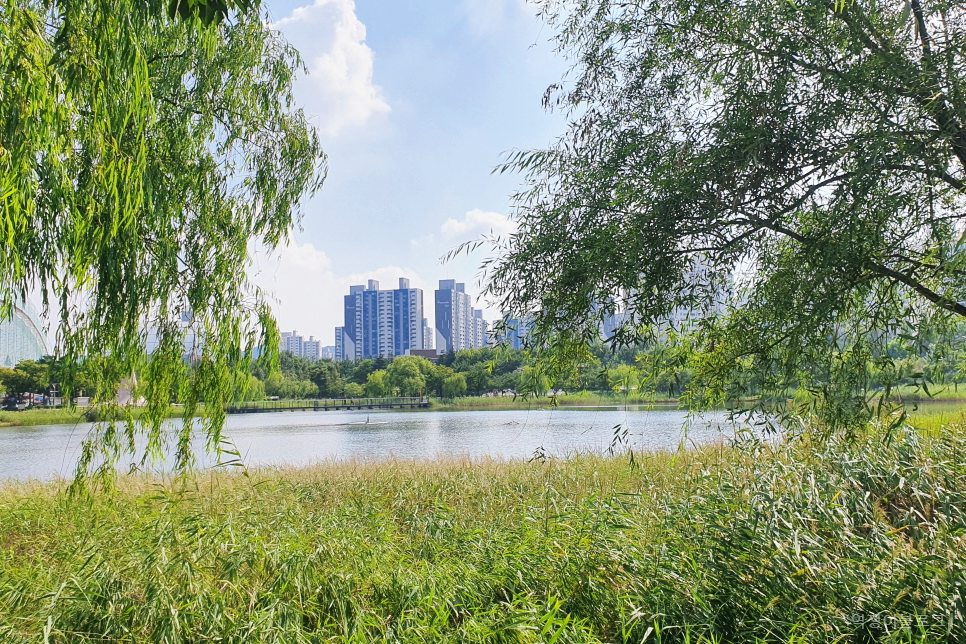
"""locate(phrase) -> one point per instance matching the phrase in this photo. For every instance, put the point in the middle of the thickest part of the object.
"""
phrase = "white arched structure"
(22, 337)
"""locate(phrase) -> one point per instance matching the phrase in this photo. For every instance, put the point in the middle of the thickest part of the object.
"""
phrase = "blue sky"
(415, 103)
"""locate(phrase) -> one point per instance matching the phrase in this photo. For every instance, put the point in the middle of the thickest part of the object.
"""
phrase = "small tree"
(28, 377)
(478, 379)
(326, 377)
(623, 379)
(249, 388)
(407, 375)
(436, 377)
(533, 382)
(454, 386)
(377, 385)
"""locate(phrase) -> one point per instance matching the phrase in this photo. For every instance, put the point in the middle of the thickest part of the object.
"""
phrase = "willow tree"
(789, 174)
(140, 157)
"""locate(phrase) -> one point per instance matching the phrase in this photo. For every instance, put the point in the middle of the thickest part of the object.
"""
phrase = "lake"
(303, 438)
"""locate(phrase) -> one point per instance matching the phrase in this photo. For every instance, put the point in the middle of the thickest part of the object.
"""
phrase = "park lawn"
(812, 540)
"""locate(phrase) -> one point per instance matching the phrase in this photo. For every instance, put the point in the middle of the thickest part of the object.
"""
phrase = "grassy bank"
(41, 417)
(805, 542)
(937, 393)
(65, 416)
(581, 398)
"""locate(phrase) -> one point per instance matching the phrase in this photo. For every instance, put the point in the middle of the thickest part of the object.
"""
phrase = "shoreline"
(35, 417)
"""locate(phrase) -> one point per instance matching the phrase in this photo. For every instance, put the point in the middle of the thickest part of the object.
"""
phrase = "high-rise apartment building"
(458, 325)
(515, 332)
(340, 344)
(291, 342)
(480, 329)
(295, 344)
(312, 348)
(380, 322)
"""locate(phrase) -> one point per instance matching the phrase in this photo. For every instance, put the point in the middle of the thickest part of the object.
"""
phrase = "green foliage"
(294, 366)
(377, 384)
(139, 158)
(407, 375)
(249, 388)
(783, 182)
(208, 11)
(286, 387)
(27, 377)
(465, 360)
(435, 379)
(326, 377)
(534, 382)
(477, 379)
(623, 379)
(803, 541)
(354, 390)
(358, 372)
(448, 358)
(454, 385)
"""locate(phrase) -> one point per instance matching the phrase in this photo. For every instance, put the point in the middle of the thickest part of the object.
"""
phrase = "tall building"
(515, 332)
(611, 323)
(407, 318)
(291, 342)
(380, 322)
(480, 329)
(340, 344)
(427, 335)
(458, 325)
(191, 342)
(297, 345)
(312, 348)
(350, 334)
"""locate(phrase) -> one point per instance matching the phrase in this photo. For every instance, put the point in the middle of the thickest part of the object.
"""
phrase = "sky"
(415, 103)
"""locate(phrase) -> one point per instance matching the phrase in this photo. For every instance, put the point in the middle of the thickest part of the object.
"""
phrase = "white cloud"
(309, 295)
(338, 89)
(478, 221)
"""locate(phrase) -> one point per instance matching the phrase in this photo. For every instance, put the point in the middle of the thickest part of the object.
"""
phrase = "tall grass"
(789, 541)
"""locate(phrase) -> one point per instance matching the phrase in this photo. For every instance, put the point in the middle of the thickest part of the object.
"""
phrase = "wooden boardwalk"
(328, 404)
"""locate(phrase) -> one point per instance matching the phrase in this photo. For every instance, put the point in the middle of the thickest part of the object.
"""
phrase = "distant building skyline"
(459, 326)
(515, 332)
(297, 345)
(381, 322)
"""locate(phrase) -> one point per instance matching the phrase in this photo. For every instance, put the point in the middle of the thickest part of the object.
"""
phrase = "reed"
(794, 540)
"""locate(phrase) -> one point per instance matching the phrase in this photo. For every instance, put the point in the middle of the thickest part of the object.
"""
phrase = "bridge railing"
(330, 403)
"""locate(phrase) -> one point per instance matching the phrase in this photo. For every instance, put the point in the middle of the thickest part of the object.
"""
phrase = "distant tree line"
(664, 369)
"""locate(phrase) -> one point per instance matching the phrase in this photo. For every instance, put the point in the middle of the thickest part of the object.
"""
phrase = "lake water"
(303, 438)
